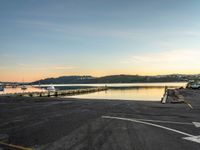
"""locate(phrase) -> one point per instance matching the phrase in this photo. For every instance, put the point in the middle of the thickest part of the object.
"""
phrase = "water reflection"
(163, 84)
(130, 91)
(148, 93)
(10, 90)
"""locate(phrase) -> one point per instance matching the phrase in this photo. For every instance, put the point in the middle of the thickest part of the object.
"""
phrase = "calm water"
(139, 91)
(149, 93)
(130, 91)
(169, 84)
(10, 90)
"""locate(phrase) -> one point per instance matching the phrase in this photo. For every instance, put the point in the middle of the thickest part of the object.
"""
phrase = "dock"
(57, 93)
(172, 96)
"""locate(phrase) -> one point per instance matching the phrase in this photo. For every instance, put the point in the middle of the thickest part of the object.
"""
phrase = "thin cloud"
(84, 30)
(174, 59)
(40, 67)
(38, 23)
(89, 31)
(63, 67)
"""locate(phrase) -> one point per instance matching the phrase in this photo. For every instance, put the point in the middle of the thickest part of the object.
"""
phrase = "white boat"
(23, 87)
(51, 88)
(1, 87)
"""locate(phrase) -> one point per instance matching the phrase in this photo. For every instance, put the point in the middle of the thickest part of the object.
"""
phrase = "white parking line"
(161, 121)
(189, 137)
(190, 105)
(196, 124)
(147, 123)
(16, 147)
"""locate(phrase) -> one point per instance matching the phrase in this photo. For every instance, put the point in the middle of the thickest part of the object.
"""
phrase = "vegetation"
(112, 79)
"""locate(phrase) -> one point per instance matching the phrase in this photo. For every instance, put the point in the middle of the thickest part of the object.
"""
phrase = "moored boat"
(23, 87)
(51, 88)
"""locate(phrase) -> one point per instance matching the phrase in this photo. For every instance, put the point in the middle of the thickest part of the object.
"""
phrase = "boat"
(51, 88)
(14, 85)
(23, 87)
(1, 87)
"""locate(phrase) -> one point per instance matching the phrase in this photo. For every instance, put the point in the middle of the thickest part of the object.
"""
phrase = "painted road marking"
(189, 105)
(189, 137)
(161, 121)
(147, 123)
(197, 124)
(193, 138)
(16, 147)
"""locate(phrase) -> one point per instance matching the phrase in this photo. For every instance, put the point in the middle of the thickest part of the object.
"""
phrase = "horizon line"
(187, 74)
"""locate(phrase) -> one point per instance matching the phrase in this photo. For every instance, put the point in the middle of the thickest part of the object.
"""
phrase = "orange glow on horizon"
(30, 77)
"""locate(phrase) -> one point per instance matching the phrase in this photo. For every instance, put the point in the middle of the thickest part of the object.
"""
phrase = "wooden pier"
(58, 92)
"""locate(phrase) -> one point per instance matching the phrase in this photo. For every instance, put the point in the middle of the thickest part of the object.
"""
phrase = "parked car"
(194, 85)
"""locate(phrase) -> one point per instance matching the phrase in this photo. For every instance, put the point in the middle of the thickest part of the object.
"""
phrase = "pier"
(172, 96)
(57, 93)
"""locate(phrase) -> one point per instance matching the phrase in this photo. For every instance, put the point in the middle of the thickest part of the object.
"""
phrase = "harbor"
(134, 91)
(99, 75)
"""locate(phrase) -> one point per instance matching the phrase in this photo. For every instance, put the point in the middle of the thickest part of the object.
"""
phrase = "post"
(164, 99)
(165, 89)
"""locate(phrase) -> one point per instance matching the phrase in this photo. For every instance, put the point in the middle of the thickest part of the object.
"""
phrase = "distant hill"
(65, 80)
(112, 79)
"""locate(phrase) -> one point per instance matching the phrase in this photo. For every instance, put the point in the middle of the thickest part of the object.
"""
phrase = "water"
(145, 94)
(129, 91)
(10, 90)
(136, 91)
(169, 84)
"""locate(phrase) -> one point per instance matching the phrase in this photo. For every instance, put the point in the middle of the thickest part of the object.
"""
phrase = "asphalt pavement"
(80, 124)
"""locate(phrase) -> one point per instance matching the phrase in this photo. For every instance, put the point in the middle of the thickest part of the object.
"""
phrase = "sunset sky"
(50, 38)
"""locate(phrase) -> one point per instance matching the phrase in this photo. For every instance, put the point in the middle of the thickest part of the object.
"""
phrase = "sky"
(51, 38)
